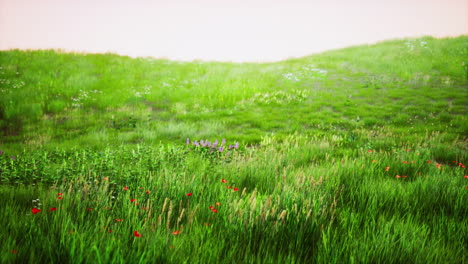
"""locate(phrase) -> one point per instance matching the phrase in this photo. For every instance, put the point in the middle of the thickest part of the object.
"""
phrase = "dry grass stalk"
(254, 194)
(180, 206)
(169, 213)
(244, 191)
(181, 215)
(308, 214)
(192, 214)
(282, 216)
(70, 188)
(150, 211)
(253, 205)
(267, 202)
(164, 206)
(273, 210)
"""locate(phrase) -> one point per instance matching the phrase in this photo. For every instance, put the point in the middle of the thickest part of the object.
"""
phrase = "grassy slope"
(51, 98)
(345, 157)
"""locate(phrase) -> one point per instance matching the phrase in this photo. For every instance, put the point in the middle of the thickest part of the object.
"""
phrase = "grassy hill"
(52, 98)
(349, 156)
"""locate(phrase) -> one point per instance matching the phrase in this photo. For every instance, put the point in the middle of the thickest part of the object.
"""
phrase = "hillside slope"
(412, 86)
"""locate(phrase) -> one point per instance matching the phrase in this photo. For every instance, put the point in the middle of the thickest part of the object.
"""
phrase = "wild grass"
(299, 200)
(50, 97)
(350, 156)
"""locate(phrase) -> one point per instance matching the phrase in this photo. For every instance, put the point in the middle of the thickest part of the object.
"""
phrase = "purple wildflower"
(221, 149)
(1, 152)
(13, 157)
(187, 141)
(237, 145)
(223, 142)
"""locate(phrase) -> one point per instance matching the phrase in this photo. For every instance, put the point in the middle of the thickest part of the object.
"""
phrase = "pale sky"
(222, 30)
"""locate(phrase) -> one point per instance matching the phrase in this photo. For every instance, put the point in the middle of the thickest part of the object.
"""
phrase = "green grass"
(349, 156)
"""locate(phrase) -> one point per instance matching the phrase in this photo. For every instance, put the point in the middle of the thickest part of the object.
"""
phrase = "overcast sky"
(223, 30)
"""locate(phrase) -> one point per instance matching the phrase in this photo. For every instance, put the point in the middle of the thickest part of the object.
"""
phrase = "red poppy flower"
(14, 251)
(53, 209)
(89, 209)
(223, 181)
(214, 210)
(370, 150)
(211, 207)
(147, 191)
(466, 176)
(35, 210)
(404, 176)
(59, 194)
(397, 176)
(125, 188)
(454, 161)
(235, 189)
(105, 178)
(110, 231)
(428, 161)
(218, 204)
(135, 233)
(60, 197)
(119, 220)
(132, 200)
(229, 187)
(189, 194)
(207, 224)
(176, 232)
(387, 168)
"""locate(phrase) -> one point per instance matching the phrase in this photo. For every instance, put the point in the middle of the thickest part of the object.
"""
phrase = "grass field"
(349, 156)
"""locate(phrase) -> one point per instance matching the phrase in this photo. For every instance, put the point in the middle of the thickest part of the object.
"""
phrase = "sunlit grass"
(350, 156)
(388, 84)
(295, 200)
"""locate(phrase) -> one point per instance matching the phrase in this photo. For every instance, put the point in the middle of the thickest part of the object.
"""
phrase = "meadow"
(354, 155)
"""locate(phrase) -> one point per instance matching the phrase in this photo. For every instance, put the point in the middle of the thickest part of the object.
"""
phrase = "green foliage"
(349, 156)
(399, 82)
(293, 198)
